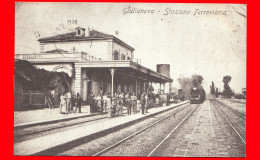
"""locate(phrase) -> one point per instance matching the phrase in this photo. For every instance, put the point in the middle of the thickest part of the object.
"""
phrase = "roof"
(71, 36)
(157, 77)
(56, 51)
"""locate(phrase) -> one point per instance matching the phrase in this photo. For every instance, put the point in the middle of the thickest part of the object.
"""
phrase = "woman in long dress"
(109, 107)
(114, 106)
(134, 103)
(99, 99)
(146, 103)
(63, 104)
(104, 98)
(120, 106)
(128, 103)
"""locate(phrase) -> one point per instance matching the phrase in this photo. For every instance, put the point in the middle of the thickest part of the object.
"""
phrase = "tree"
(42, 80)
(226, 79)
(227, 92)
(217, 93)
(212, 88)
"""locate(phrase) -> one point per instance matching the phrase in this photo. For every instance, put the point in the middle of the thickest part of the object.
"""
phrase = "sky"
(186, 36)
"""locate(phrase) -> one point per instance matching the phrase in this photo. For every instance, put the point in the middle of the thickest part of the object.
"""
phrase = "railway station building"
(96, 62)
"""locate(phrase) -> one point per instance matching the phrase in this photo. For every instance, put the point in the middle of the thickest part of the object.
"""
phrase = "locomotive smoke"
(186, 83)
(196, 80)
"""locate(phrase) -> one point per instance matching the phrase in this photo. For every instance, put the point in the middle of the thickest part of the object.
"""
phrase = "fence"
(33, 98)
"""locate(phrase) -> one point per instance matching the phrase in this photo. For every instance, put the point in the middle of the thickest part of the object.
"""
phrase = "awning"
(130, 68)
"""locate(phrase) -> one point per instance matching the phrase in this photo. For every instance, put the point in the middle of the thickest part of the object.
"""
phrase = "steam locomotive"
(197, 95)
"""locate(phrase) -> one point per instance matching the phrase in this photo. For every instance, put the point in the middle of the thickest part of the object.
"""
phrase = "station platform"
(46, 116)
(47, 144)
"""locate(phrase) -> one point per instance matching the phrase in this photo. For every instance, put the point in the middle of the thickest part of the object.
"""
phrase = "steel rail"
(136, 133)
(215, 104)
(230, 108)
(176, 127)
(55, 127)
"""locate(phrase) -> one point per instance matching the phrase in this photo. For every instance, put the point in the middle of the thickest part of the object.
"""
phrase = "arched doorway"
(63, 68)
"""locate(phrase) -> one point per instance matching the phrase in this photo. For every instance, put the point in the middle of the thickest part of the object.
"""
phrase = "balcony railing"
(76, 56)
(64, 56)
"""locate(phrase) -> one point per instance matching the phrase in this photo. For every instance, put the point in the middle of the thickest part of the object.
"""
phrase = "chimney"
(116, 33)
(41, 47)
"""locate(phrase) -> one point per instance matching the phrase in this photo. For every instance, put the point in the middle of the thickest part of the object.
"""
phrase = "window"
(128, 58)
(116, 55)
(122, 57)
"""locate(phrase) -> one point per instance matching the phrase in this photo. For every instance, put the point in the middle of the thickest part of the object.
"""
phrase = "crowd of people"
(134, 103)
(69, 103)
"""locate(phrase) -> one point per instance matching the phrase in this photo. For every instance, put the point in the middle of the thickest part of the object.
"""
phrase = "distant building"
(97, 62)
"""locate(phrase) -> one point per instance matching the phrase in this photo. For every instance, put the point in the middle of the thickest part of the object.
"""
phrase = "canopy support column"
(112, 70)
(78, 80)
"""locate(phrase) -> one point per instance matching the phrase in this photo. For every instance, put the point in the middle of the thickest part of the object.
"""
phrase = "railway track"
(243, 116)
(26, 133)
(107, 149)
(216, 104)
(40, 129)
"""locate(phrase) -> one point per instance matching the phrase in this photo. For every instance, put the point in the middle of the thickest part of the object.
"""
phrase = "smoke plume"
(187, 82)
(196, 80)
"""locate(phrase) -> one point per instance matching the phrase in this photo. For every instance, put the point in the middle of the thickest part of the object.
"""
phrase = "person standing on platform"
(95, 103)
(104, 98)
(109, 106)
(157, 101)
(161, 100)
(142, 100)
(134, 102)
(78, 102)
(168, 99)
(114, 104)
(102, 101)
(120, 105)
(63, 104)
(68, 96)
(99, 101)
(128, 103)
(124, 100)
(91, 102)
(138, 105)
(146, 103)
